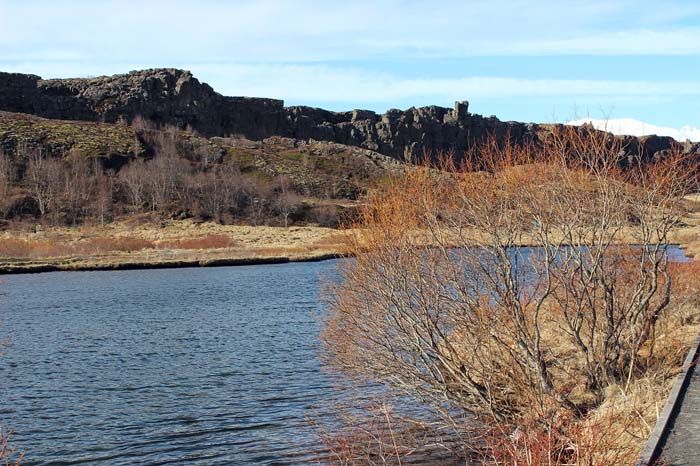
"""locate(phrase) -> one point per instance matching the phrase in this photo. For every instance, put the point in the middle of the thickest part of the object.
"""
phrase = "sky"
(519, 60)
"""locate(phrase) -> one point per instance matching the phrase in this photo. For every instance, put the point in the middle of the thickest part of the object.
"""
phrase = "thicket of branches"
(172, 182)
(513, 293)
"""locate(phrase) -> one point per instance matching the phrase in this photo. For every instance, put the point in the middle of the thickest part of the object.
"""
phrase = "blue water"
(195, 366)
(207, 366)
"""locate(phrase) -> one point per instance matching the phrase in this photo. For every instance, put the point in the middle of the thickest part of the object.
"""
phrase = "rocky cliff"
(175, 97)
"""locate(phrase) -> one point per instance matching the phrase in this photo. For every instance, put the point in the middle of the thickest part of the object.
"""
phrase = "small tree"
(133, 179)
(104, 196)
(6, 170)
(44, 177)
(287, 201)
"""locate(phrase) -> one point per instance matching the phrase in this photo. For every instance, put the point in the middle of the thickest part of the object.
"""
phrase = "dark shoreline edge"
(230, 262)
(194, 263)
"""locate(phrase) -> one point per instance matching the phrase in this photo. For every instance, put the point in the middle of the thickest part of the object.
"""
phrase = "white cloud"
(632, 127)
(325, 83)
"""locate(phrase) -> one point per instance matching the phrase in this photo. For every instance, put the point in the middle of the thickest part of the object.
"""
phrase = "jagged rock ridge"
(175, 97)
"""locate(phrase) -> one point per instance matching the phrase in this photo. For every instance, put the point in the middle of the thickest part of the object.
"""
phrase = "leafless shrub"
(8, 454)
(443, 301)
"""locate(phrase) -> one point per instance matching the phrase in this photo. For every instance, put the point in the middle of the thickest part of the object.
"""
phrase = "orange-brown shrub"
(22, 248)
(8, 454)
(446, 303)
(204, 242)
(116, 243)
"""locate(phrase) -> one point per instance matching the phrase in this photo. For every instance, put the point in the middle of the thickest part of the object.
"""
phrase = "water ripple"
(203, 366)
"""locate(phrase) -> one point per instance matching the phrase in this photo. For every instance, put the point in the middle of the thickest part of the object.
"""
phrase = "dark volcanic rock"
(175, 97)
(166, 96)
(18, 92)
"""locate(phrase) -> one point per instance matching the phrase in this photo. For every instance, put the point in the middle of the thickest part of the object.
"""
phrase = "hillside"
(176, 98)
(68, 172)
(94, 171)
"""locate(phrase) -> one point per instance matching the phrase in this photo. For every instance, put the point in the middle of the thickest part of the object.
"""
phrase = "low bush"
(533, 312)
(204, 242)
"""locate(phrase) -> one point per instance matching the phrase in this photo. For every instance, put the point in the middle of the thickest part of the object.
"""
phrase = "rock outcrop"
(175, 97)
(166, 96)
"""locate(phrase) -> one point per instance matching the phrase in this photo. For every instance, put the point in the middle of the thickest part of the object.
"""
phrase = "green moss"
(295, 156)
(85, 138)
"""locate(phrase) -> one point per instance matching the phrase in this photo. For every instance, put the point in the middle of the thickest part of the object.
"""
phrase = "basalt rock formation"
(175, 97)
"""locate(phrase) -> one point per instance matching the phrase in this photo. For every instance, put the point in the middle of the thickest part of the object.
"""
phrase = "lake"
(202, 365)
(207, 366)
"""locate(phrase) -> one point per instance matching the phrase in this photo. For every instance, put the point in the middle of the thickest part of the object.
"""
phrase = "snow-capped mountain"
(631, 127)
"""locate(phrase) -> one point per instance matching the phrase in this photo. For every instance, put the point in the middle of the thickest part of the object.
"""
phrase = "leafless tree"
(104, 196)
(77, 187)
(134, 179)
(167, 171)
(44, 175)
(287, 201)
(6, 170)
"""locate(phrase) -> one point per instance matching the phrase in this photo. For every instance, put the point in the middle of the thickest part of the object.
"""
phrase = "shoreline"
(156, 264)
(184, 244)
(45, 267)
(175, 244)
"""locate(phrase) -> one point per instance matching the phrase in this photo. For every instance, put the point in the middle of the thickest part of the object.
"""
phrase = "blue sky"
(518, 60)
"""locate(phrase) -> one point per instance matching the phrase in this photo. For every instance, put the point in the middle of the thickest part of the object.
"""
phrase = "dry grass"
(32, 248)
(149, 243)
(204, 242)
(629, 414)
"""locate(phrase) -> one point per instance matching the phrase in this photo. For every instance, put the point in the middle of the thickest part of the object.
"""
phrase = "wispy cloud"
(317, 52)
(323, 83)
(307, 30)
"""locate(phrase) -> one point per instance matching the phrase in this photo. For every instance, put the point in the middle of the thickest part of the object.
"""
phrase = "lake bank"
(181, 244)
(176, 244)
(131, 245)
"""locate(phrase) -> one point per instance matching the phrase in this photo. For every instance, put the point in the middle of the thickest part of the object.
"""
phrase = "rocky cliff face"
(167, 96)
(175, 97)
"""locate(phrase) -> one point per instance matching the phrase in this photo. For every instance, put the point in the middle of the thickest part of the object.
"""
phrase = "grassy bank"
(124, 245)
(187, 243)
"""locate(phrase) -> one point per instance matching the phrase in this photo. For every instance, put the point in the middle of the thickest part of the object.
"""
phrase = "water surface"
(204, 366)
(207, 366)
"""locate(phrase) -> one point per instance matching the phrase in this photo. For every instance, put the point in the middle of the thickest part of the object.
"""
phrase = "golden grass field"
(142, 244)
(175, 243)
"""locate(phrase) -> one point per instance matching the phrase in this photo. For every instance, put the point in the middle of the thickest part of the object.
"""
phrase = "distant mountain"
(631, 127)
